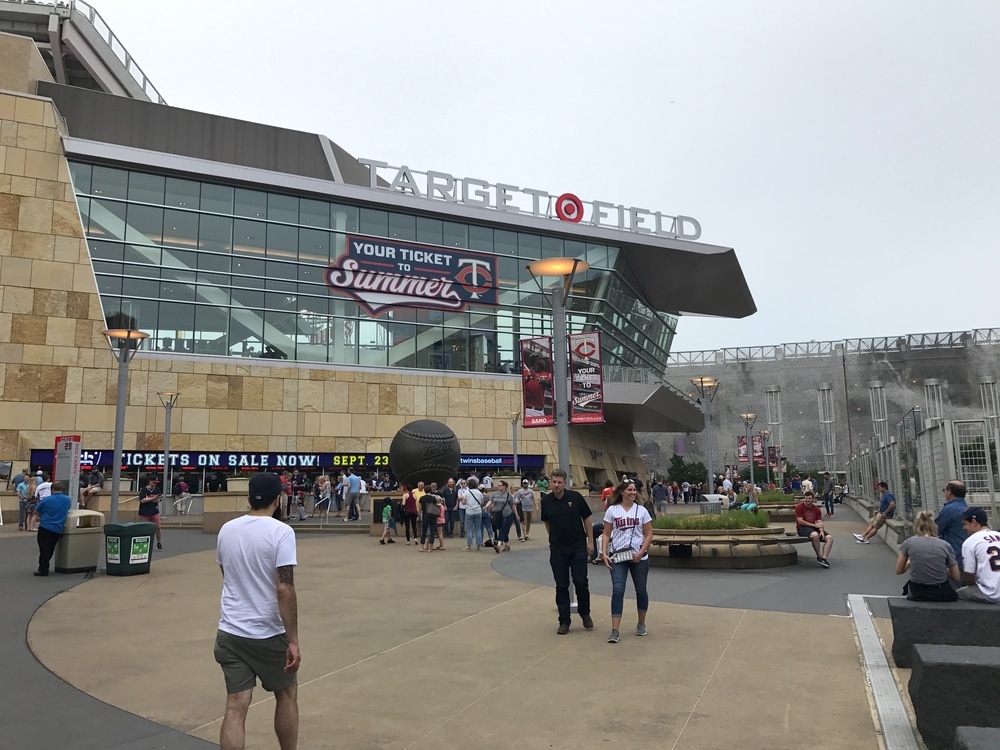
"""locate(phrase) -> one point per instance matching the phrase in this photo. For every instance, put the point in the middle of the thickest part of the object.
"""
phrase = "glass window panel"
(109, 183)
(430, 348)
(504, 242)
(481, 238)
(282, 241)
(344, 218)
(215, 233)
(246, 328)
(314, 246)
(313, 305)
(179, 259)
(279, 299)
(109, 285)
(182, 193)
(83, 204)
(312, 278)
(251, 203)
(374, 222)
(144, 225)
(178, 320)
(104, 266)
(217, 199)
(140, 288)
(430, 231)
(177, 285)
(510, 270)
(279, 328)
(80, 174)
(146, 259)
(597, 256)
(249, 237)
(455, 235)
(251, 267)
(402, 226)
(211, 327)
(212, 262)
(252, 299)
(456, 350)
(146, 188)
(219, 280)
(281, 276)
(180, 228)
(106, 250)
(552, 247)
(284, 208)
(107, 219)
(402, 343)
(529, 246)
(314, 213)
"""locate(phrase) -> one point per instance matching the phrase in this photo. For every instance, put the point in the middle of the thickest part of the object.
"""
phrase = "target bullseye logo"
(569, 208)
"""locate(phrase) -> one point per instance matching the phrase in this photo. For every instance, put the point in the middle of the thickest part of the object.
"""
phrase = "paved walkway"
(445, 650)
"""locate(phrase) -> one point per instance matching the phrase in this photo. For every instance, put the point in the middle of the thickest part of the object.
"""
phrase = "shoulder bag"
(626, 554)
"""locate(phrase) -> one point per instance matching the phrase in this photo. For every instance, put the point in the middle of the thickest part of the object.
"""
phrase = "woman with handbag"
(628, 532)
(430, 505)
(475, 514)
(409, 513)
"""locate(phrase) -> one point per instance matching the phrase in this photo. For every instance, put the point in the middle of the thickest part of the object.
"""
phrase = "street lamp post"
(566, 269)
(707, 387)
(168, 399)
(124, 343)
(765, 434)
(748, 419)
(512, 417)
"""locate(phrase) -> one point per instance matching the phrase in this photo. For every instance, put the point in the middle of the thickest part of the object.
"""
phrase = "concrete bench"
(951, 623)
(977, 738)
(952, 687)
(659, 541)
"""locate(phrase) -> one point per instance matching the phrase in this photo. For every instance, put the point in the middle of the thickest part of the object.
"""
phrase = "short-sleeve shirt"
(151, 508)
(929, 557)
(250, 550)
(565, 517)
(883, 506)
(626, 526)
(52, 511)
(526, 496)
(812, 514)
(981, 553)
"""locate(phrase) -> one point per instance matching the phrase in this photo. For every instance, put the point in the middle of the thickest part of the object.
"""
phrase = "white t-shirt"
(727, 485)
(487, 483)
(250, 549)
(43, 490)
(364, 487)
(626, 527)
(980, 553)
(807, 485)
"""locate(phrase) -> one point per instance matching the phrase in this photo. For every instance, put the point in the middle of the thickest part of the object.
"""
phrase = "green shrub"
(775, 496)
(734, 519)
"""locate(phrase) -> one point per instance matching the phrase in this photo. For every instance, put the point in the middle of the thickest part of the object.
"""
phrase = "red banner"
(586, 374)
(741, 449)
(536, 381)
(758, 450)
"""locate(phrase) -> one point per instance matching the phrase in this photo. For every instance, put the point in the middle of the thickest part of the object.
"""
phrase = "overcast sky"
(848, 150)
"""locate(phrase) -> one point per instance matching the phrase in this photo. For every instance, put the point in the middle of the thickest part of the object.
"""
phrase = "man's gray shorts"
(243, 660)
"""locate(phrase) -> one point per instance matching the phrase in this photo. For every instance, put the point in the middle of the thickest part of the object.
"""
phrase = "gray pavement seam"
(709, 680)
(897, 731)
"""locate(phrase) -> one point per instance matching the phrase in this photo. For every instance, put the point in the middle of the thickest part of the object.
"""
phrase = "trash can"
(79, 550)
(711, 503)
(128, 547)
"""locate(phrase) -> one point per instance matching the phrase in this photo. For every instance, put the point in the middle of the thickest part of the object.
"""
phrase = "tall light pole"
(765, 434)
(748, 419)
(512, 417)
(707, 387)
(168, 399)
(566, 269)
(124, 343)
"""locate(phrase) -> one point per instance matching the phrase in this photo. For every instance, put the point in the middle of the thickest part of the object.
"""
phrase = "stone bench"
(952, 687)
(721, 549)
(950, 623)
(977, 738)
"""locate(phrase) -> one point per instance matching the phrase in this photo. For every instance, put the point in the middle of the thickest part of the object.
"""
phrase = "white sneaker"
(863, 541)
(859, 537)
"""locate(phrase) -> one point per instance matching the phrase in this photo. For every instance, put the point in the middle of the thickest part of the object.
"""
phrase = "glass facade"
(222, 270)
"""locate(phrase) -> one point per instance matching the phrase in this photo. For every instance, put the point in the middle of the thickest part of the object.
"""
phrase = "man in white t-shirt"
(981, 559)
(43, 486)
(258, 633)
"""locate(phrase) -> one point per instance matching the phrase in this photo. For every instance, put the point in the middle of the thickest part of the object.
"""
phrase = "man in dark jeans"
(51, 512)
(450, 495)
(565, 514)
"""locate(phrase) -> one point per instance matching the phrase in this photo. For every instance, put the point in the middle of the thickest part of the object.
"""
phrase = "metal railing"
(913, 341)
(116, 46)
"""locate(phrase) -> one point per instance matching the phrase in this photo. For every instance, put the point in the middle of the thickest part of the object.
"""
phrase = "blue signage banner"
(381, 275)
(244, 461)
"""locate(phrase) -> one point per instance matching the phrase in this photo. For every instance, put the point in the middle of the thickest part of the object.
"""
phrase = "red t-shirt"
(812, 513)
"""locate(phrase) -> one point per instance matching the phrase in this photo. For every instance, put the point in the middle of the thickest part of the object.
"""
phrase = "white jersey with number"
(981, 553)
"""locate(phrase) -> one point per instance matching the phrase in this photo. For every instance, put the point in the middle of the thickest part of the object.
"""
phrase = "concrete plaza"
(447, 650)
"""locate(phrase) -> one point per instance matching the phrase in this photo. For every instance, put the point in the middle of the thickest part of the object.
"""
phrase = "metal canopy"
(645, 407)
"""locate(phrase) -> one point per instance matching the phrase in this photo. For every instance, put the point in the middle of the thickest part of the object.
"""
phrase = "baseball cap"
(524, 481)
(975, 514)
(265, 486)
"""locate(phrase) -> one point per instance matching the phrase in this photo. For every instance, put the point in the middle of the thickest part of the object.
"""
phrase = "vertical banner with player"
(66, 465)
(536, 381)
(758, 450)
(586, 374)
(741, 449)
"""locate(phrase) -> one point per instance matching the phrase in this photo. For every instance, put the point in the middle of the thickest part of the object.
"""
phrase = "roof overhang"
(651, 407)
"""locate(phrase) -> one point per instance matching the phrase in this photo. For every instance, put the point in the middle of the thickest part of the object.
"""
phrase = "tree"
(681, 471)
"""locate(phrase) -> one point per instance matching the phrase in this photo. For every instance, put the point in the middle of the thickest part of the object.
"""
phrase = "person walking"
(258, 634)
(450, 495)
(31, 503)
(931, 562)
(503, 511)
(828, 493)
(149, 507)
(409, 513)
(50, 518)
(524, 500)
(388, 523)
(566, 517)
(628, 532)
(474, 514)
(21, 487)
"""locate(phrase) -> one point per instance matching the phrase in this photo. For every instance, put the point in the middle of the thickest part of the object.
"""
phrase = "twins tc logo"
(382, 275)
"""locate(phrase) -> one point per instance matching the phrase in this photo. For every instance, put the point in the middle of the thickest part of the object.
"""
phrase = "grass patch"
(734, 519)
(775, 496)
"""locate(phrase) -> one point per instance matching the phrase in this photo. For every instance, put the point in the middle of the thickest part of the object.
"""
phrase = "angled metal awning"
(643, 407)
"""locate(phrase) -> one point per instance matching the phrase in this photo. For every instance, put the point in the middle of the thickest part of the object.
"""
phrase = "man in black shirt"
(450, 496)
(149, 507)
(565, 514)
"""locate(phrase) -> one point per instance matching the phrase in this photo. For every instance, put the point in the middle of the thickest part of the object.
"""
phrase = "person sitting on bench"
(94, 485)
(980, 553)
